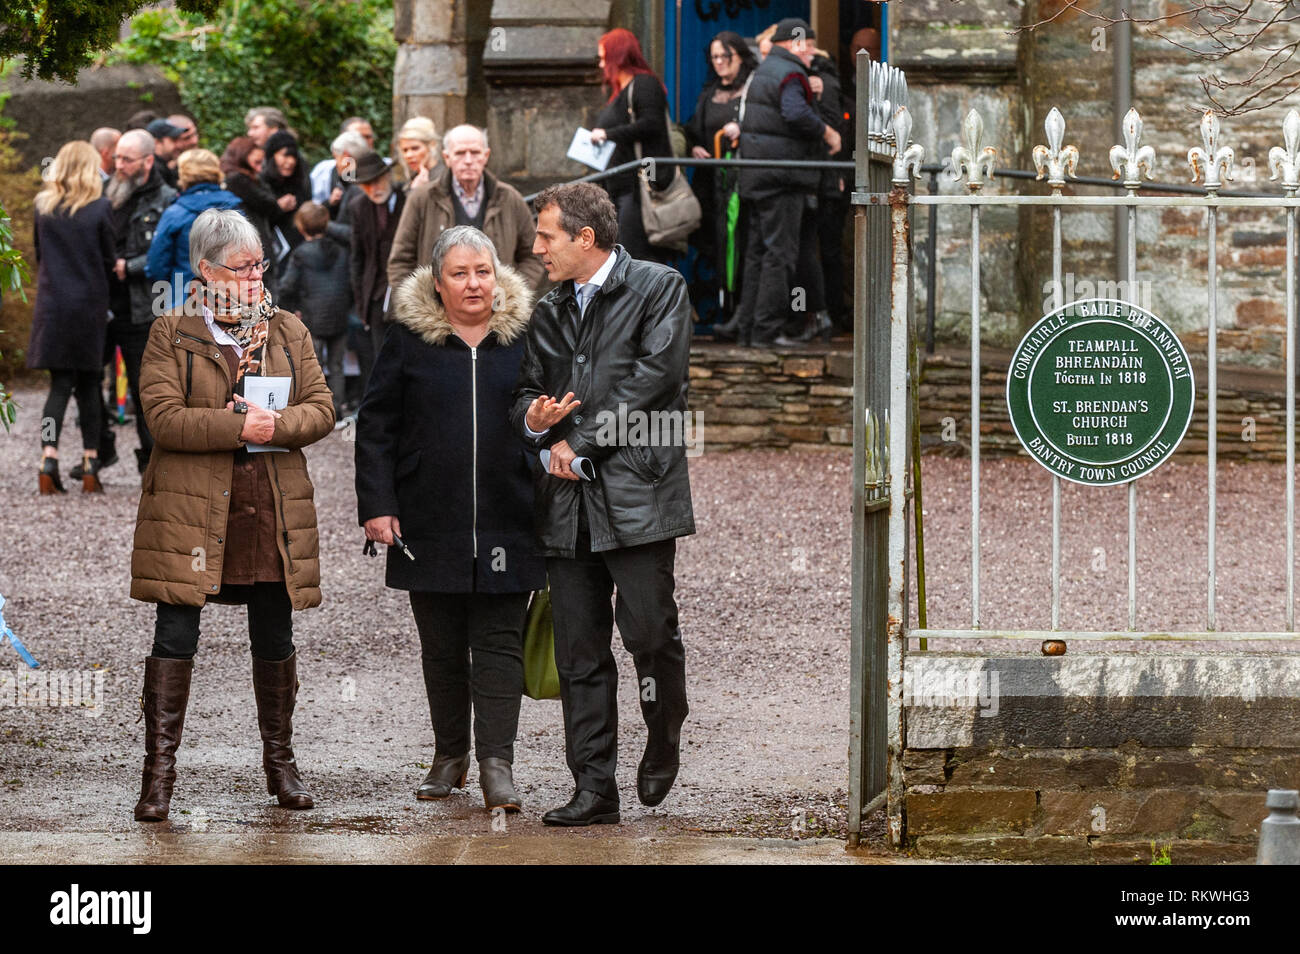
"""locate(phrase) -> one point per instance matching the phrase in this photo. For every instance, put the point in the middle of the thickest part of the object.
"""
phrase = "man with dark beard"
(138, 196)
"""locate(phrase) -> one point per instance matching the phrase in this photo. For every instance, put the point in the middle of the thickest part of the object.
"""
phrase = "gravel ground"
(764, 591)
(1173, 514)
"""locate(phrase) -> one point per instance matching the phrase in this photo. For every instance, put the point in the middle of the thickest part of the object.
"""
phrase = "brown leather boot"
(275, 685)
(166, 694)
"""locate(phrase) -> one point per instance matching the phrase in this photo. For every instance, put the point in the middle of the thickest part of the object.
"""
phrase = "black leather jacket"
(628, 363)
(136, 225)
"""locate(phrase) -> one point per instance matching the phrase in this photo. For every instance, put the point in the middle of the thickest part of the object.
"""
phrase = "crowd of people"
(779, 99)
(481, 458)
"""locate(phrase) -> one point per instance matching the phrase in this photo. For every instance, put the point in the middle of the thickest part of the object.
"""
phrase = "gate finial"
(1286, 162)
(908, 154)
(1051, 159)
(1212, 159)
(977, 162)
(1130, 160)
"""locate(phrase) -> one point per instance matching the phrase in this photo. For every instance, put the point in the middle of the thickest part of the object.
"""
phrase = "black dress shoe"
(728, 331)
(585, 808)
(445, 774)
(654, 780)
(658, 770)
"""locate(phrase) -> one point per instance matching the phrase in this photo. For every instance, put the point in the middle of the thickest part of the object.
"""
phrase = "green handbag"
(541, 679)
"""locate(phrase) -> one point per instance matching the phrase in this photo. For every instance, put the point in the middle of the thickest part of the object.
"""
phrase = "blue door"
(700, 20)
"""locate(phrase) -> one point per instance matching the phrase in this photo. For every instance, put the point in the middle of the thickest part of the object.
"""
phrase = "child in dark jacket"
(318, 286)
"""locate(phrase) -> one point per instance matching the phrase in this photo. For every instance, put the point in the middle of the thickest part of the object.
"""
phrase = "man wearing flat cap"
(781, 122)
(166, 139)
(374, 212)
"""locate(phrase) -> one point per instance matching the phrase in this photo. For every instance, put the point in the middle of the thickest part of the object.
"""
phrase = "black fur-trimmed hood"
(416, 305)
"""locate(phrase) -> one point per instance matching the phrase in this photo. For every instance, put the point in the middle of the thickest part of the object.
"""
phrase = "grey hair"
(462, 236)
(217, 232)
(349, 143)
(446, 139)
(271, 115)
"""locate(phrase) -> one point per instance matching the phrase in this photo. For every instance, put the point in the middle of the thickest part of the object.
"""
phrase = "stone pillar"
(437, 49)
(539, 61)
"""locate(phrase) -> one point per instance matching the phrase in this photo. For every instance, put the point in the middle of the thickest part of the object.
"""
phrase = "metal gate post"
(882, 266)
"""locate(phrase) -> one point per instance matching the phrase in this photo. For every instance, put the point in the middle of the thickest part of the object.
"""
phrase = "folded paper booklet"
(582, 466)
(271, 393)
(588, 154)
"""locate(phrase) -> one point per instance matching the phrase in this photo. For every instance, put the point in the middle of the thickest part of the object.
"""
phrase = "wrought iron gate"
(884, 397)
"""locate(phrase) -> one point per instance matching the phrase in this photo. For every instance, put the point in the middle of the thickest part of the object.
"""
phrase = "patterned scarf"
(249, 325)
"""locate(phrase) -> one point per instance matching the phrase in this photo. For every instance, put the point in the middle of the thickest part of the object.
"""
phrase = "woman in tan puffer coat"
(218, 522)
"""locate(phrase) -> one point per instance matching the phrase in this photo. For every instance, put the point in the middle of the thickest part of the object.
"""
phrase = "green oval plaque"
(1100, 392)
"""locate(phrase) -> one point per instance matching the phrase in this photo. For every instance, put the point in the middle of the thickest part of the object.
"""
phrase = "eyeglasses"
(244, 271)
(125, 160)
(722, 57)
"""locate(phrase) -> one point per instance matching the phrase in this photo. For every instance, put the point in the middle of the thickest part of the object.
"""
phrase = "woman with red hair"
(636, 114)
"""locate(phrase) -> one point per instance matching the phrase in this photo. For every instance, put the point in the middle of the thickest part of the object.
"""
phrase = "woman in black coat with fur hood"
(439, 469)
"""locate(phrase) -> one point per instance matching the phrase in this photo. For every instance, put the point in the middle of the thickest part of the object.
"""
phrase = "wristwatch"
(240, 407)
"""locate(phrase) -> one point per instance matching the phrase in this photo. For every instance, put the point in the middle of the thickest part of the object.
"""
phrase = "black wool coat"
(75, 256)
(434, 447)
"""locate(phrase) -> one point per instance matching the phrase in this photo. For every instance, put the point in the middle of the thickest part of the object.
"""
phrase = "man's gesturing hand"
(545, 412)
(562, 456)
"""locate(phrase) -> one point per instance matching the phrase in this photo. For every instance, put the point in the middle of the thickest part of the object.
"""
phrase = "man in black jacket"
(780, 122)
(614, 338)
(138, 196)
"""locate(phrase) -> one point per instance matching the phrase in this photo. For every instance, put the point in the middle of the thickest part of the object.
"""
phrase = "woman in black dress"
(636, 114)
(75, 254)
(731, 63)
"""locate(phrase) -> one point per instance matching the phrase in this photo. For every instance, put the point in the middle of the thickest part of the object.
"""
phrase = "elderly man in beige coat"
(465, 194)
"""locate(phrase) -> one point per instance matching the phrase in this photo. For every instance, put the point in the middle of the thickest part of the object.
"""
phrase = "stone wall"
(1252, 409)
(49, 114)
(747, 397)
(803, 399)
(1091, 758)
(964, 55)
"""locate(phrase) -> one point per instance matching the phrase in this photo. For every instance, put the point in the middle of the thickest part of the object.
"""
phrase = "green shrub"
(318, 61)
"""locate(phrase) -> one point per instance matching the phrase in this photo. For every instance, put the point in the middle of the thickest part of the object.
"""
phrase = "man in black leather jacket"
(138, 194)
(614, 338)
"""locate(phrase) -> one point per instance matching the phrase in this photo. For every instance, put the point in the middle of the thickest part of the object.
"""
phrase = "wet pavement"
(764, 592)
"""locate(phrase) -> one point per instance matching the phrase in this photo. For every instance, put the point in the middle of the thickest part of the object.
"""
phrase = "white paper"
(582, 150)
(271, 393)
(582, 466)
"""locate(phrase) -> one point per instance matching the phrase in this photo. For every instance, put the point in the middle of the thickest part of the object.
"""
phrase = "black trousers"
(771, 255)
(472, 651)
(831, 213)
(631, 230)
(647, 621)
(370, 340)
(270, 623)
(131, 338)
(90, 409)
(329, 352)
